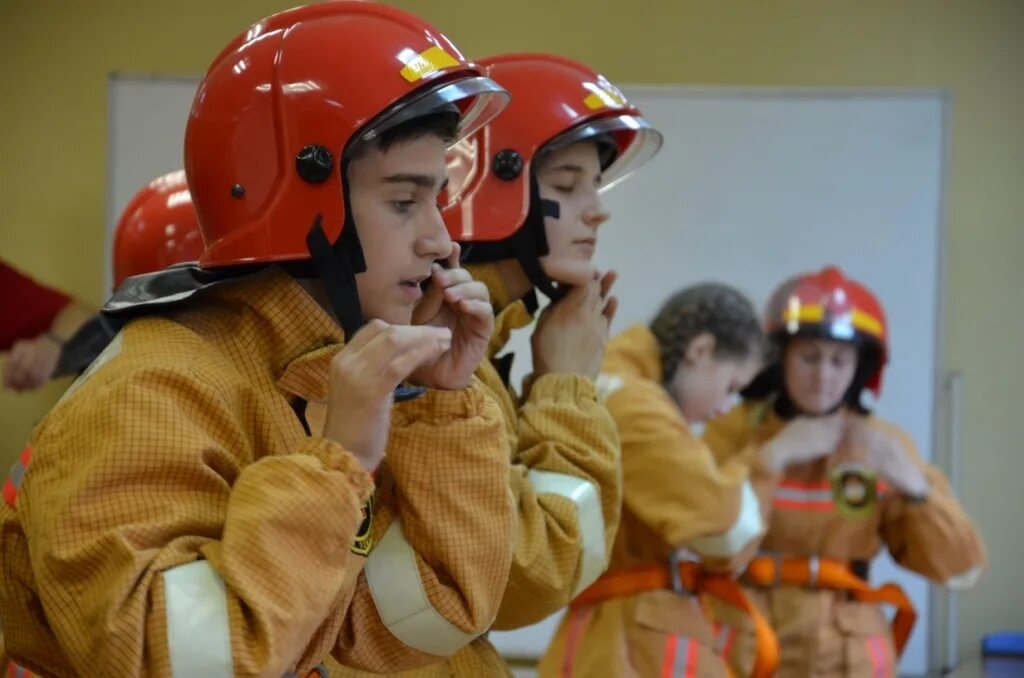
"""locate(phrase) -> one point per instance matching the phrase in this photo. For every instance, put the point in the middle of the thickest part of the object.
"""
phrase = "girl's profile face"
(705, 385)
(571, 177)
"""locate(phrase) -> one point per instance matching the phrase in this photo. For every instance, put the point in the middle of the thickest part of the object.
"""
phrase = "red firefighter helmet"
(157, 228)
(830, 305)
(555, 102)
(280, 106)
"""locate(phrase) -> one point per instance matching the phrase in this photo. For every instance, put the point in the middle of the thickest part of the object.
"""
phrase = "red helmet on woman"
(828, 304)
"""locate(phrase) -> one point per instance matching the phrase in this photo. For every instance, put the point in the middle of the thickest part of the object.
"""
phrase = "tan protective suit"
(811, 511)
(175, 516)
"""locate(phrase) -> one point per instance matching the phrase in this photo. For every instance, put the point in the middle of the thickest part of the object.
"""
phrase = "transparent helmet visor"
(477, 99)
(636, 143)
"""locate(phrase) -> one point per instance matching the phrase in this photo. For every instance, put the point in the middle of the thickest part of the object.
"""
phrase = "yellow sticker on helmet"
(797, 313)
(603, 96)
(431, 60)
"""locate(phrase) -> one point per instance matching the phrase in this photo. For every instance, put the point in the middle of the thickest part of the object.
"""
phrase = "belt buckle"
(813, 568)
(674, 560)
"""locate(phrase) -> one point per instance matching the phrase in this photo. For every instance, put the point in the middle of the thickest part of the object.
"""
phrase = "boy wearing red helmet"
(178, 513)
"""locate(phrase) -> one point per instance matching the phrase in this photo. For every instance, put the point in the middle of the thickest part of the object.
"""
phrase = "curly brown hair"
(718, 309)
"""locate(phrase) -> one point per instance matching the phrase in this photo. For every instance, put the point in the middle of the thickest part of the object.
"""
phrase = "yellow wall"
(56, 55)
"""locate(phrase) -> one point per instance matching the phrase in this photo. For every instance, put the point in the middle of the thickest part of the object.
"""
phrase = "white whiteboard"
(146, 118)
(751, 187)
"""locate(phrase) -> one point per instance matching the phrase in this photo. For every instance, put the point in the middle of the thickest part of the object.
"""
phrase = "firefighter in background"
(174, 514)
(157, 228)
(836, 484)
(646, 615)
(528, 222)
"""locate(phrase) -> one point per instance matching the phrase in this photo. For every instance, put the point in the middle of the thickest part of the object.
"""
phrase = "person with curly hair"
(643, 617)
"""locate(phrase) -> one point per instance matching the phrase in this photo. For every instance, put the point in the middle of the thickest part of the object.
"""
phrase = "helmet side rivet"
(507, 164)
(314, 164)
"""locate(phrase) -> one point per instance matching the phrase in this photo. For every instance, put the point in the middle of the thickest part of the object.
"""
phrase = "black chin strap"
(527, 245)
(336, 266)
(530, 243)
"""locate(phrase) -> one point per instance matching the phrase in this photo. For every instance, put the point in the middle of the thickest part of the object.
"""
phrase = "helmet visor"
(635, 143)
(477, 100)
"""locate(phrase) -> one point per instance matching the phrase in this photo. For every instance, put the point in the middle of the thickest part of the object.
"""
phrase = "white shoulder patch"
(607, 384)
(748, 525)
(401, 598)
(587, 499)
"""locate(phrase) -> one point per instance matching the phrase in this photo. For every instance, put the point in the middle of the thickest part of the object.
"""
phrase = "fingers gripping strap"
(198, 632)
(337, 265)
(585, 496)
(402, 601)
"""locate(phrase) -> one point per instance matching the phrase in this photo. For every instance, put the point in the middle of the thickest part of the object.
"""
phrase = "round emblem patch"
(854, 489)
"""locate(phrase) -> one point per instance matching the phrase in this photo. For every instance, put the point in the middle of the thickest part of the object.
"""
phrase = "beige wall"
(56, 55)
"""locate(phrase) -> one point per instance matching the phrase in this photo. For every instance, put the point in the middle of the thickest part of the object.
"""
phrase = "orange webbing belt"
(653, 577)
(826, 573)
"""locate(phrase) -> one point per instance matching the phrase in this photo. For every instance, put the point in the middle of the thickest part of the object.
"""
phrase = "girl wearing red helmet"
(836, 484)
(527, 218)
(177, 513)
